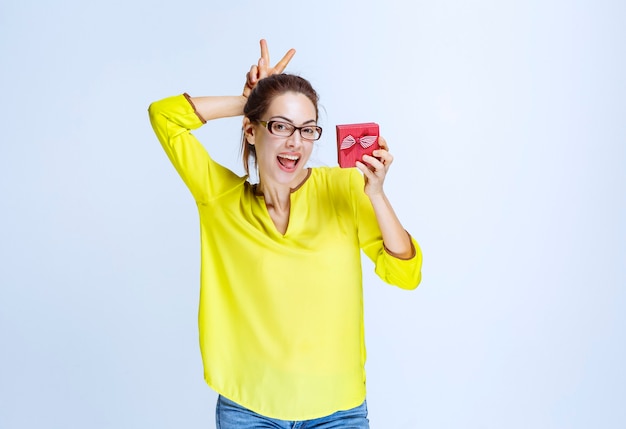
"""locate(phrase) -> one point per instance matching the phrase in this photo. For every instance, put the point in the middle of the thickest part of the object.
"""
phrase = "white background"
(507, 122)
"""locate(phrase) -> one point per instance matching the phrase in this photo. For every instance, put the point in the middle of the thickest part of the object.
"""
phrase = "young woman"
(281, 302)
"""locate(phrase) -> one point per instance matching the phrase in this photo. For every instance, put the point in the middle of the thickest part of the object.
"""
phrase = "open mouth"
(289, 162)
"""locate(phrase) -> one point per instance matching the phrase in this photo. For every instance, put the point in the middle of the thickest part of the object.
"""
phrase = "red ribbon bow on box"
(365, 141)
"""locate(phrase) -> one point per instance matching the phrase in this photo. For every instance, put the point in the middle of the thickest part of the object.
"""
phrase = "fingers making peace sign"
(263, 69)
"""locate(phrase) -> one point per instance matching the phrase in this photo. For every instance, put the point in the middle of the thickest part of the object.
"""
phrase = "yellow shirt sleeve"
(404, 273)
(172, 120)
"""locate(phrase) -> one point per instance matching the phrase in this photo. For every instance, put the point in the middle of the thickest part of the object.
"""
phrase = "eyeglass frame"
(268, 126)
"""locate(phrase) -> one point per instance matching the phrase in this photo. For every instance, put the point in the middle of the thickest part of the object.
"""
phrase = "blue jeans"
(230, 415)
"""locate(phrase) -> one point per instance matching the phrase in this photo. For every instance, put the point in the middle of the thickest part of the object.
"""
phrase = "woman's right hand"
(262, 69)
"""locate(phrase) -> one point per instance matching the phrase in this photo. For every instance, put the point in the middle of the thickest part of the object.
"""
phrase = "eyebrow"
(292, 122)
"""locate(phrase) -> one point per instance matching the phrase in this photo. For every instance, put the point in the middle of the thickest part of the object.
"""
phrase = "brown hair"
(262, 96)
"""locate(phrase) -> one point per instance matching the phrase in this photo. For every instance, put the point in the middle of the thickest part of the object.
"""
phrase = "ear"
(248, 130)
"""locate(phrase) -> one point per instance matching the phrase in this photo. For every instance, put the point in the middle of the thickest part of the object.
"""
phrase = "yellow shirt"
(280, 315)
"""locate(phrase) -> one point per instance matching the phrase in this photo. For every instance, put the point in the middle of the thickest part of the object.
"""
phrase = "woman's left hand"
(376, 172)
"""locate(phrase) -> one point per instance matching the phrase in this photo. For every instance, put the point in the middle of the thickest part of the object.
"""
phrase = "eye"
(282, 127)
(309, 132)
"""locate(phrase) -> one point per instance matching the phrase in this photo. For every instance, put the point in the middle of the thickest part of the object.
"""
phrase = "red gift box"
(354, 141)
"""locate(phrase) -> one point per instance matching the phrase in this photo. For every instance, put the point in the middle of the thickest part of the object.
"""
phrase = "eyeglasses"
(285, 129)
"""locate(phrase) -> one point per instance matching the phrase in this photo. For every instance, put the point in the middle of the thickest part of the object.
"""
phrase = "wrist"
(376, 195)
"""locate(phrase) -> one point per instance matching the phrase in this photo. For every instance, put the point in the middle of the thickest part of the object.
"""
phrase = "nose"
(294, 140)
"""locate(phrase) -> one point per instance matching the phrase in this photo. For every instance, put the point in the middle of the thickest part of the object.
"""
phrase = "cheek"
(310, 148)
(264, 149)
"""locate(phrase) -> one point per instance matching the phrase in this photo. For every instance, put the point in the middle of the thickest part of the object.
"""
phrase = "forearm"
(215, 107)
(395, 237)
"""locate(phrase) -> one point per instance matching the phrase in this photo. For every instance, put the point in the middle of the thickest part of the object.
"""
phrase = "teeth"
(291, 157)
